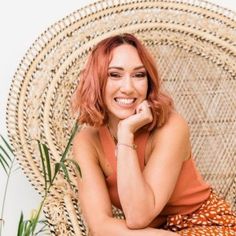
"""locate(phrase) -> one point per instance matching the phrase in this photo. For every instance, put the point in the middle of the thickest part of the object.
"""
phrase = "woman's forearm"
(137, 198)
(118, 227)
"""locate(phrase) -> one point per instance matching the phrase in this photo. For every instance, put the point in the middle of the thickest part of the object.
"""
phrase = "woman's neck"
(112, 127)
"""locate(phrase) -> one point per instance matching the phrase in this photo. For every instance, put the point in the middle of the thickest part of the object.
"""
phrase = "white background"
(21, 22)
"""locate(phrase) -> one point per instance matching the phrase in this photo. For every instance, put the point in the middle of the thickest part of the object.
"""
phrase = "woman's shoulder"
(86, 143)
(87, 133)
(175, 126)
(175, 134)
(87, 136)
(177, 119)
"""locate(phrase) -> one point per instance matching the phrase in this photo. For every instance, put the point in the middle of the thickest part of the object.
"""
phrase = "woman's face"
(127, 83)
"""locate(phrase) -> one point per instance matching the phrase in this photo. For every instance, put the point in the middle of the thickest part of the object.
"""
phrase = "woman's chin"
(125, 115)
(121, 115)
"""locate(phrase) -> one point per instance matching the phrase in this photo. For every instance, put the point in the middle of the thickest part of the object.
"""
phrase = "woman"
(135, 151)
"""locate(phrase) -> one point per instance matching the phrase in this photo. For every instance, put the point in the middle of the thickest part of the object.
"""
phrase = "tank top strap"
(109, 146)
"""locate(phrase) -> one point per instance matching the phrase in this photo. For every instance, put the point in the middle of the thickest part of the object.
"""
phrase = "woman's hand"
(142, 116)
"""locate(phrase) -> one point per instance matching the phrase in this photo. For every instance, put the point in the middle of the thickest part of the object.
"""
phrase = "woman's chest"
(108, 160)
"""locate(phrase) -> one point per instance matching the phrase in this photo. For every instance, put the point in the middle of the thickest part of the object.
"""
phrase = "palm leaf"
(75, 163)
(43, 164)
(6, 143)
(4, 163)
(73, 133)
(20, 225)
(27, 228)
(5, 152)
(65, 171)
(35, 218)
(43, 228)
(48, 163)
(58, 165)
(5, 157)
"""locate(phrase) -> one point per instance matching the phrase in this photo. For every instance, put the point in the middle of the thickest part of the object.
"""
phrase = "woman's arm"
(117, 227)
(93, 193)
(144, 195)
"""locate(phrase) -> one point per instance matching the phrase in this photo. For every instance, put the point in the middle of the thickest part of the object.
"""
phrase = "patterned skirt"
(213, 218)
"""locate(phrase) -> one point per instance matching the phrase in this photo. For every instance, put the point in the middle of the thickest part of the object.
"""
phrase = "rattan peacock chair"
(194, 44)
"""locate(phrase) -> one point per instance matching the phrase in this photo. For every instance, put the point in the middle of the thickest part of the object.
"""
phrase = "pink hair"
(88, 97)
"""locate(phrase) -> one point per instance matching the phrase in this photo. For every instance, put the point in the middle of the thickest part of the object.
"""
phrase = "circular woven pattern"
(194, 43)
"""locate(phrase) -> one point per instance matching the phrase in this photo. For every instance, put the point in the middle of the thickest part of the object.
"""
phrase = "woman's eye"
(140, 74)
(114, 75)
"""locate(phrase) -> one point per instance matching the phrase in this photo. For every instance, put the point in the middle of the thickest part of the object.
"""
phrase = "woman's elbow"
(140, 218)
(96, 230)
(138, 222)
(100, 226)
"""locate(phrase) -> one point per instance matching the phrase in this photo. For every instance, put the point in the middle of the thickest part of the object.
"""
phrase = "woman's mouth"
(125, 101)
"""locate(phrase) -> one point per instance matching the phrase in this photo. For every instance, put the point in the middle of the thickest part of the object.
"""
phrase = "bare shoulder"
(175, 125)
(174, 133)
(86, 134)
(176, 120)
(86, 141)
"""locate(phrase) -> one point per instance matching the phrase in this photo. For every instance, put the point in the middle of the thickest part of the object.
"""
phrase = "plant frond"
(73, 133)
(7, 144)
(4, 163)
(5, 152)
(43, 164)
(65, 171)
(20, 225)
(76, 164)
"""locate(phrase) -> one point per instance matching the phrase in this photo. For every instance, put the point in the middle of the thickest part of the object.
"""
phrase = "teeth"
(125, 100)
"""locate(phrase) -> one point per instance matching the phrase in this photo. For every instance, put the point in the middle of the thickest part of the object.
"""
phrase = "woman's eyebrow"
(139, 67)
(121, 68)
(116, 67)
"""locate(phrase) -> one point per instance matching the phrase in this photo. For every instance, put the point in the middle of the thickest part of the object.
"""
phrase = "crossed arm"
(142, 194)
(151, 190)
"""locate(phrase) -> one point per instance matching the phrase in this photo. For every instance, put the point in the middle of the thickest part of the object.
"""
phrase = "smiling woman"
(193, 45)
(127, 83)
(125, 156)
(131, 69)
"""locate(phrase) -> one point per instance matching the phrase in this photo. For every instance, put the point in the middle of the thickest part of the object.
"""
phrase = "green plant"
(6, 161)
(28, 227)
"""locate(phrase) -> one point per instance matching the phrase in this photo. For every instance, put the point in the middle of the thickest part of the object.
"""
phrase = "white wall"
(21, 22)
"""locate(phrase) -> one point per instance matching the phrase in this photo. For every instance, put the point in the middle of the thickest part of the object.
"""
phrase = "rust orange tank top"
(190, 190)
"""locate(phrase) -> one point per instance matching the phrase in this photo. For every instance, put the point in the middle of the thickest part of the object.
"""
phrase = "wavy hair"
(88, 99)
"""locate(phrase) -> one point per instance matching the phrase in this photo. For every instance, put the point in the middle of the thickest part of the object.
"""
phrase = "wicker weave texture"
(194, 43)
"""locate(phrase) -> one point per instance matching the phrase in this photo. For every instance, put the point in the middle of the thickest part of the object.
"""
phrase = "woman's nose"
(127, 85)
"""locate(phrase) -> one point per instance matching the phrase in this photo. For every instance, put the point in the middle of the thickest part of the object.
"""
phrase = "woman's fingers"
(144, 106)
(146, 113)
(142, 116)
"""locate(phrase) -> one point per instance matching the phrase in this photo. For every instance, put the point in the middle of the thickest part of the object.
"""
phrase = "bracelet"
(133, 146)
